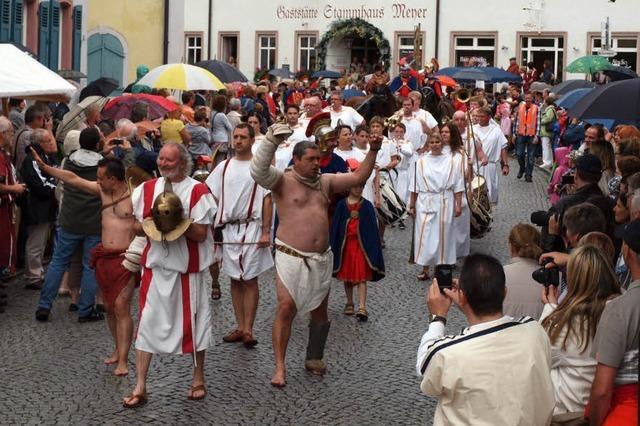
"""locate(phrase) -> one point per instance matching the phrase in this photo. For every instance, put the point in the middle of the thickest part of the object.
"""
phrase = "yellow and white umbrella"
(181, 77)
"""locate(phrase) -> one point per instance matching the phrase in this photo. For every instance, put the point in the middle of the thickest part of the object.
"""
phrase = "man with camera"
(497, 370)
(587, 174)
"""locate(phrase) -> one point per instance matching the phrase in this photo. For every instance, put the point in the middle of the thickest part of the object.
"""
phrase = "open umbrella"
(620, 73)
(351, 93)
(619, 100)
(539, 86)
(326, 74)
(569, 85)
(589, 64)
(121, 106)
(488, 74)
(445, 80)
(181, 77)
(100, 87)
(281, 72)
(569, 99)
(77, 115)
(225, 72)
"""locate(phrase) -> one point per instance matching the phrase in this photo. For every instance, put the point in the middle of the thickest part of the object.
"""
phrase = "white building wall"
(505, 19)
(177, 11)
(196, 20)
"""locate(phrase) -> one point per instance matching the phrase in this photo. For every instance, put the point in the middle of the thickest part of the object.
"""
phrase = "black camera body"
(547, 276)
(541, 218)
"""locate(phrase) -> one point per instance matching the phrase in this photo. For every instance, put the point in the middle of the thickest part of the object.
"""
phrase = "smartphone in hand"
(444, 275)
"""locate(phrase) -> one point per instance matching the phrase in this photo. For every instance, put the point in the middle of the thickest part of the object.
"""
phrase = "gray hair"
(4, 124)
(185, 156)
(38, 136)
(129, 127)
(301, 148)
(234, 104)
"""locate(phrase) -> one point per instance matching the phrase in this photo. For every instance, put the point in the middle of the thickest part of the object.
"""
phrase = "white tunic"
(240, 262)
(427, 117)
(283, 154)
(436, 178)
(493, 141)
(368, 192)
(347, 115)
(175, 316)
(462, 223)
(404, 151)
(414, 132)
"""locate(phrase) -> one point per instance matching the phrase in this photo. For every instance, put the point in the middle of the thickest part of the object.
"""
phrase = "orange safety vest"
(527, 120)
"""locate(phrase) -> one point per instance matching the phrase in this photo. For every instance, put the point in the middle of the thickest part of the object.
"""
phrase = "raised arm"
(67, 176)
(262, 171)
(341, 182)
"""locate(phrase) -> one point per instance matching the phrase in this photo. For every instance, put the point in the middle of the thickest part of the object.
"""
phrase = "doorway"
(364, 52)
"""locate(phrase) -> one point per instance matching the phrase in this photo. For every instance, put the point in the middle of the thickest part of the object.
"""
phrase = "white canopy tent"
(23, 77)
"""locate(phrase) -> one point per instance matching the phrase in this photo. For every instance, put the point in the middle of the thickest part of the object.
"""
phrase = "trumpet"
(462, 95)
(391, 121)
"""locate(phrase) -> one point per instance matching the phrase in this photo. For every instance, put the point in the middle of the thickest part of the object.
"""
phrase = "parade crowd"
(296, 176)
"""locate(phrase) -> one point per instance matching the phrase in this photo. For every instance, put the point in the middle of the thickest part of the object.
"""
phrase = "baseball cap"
(630, 234)
(590, 164)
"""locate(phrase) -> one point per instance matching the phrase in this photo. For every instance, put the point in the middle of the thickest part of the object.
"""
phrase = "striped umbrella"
(181, 77)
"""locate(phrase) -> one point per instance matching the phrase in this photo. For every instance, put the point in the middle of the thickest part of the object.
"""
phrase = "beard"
(170, 173)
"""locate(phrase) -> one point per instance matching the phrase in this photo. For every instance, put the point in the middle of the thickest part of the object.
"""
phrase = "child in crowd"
(357, 252)
(555, 185)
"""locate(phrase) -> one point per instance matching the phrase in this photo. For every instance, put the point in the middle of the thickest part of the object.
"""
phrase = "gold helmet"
(166, 222)
(320, 127)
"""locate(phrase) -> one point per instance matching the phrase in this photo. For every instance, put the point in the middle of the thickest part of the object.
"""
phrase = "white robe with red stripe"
(240, 211)
(175, 316)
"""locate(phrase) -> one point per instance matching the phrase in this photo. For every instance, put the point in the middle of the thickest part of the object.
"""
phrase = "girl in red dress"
(357, 249)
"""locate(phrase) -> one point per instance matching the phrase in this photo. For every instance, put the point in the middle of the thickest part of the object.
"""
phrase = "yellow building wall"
(140, 22)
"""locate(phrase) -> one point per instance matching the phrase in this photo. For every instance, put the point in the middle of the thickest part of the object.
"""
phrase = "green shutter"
(43, 38)
(16, 28)
(54, 35)
(77, 36)
(5, 20)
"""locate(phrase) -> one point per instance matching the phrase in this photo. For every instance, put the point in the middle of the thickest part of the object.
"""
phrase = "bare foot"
(136, 399)
(121, 370)
(278, 380)
(113, 358)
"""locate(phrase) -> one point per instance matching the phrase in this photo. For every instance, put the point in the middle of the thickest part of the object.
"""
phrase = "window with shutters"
(11, 15)
(77, 36)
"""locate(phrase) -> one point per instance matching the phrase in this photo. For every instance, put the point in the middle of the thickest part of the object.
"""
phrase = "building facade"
(306, 34)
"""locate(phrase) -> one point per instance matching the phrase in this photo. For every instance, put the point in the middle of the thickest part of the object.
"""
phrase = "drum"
(392, 208)
(480, 206)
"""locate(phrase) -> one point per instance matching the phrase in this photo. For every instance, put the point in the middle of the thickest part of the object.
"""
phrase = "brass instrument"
(462, 95)
(392, 121)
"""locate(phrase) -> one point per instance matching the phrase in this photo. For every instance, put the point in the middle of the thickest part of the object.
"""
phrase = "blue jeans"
(525, 147)
(66, 244)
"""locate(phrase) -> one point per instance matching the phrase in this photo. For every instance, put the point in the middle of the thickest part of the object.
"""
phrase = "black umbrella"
(225, 72)
(620, 73)
(100, 87)
(281, 72)
(569, 85)
(619, 100)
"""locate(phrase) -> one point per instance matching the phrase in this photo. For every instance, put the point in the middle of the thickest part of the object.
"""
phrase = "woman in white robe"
(436, 185)
(405, 156)
(462, 224)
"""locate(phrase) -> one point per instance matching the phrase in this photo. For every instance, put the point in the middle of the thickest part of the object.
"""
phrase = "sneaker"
(92, 317)
(42, 314)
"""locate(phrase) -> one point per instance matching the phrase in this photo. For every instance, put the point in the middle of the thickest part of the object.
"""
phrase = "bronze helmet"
(166, 222)
(320, 127)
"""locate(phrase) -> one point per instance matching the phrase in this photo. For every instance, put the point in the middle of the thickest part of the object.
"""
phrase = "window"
(474, 50)
(11, 20)
(626, 49)
(540, 49)
(193, 49)
(228, 47)
(266, 51)
(405, 47)
(307, 52)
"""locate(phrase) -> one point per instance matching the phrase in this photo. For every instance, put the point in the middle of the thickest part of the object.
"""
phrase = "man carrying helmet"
(175, 212)
(303, 256)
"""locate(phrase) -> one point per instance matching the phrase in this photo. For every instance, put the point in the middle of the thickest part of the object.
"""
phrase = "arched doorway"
(105, 58)
(349, 40)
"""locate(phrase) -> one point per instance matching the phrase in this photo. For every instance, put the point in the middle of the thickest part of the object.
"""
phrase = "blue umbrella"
(620, 73)
(350, 93)
(326, 74)
(488, 74)
(281, 72)
(569, 85)
(569, 99)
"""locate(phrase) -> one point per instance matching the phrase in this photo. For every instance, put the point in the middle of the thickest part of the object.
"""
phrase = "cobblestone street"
(52, 373)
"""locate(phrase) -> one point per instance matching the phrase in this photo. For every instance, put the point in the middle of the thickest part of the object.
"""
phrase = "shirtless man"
(116, 282)
(303, 255)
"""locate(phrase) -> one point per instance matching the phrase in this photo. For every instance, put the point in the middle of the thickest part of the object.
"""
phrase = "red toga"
(354, 264)
(111, 276)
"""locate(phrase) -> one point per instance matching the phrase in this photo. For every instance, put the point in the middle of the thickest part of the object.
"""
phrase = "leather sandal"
(140, 400)
(423, 276)
(234, 336)
(249, 341)
(196, 389)
(216, 293)
(349, 309)
(362, 315)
